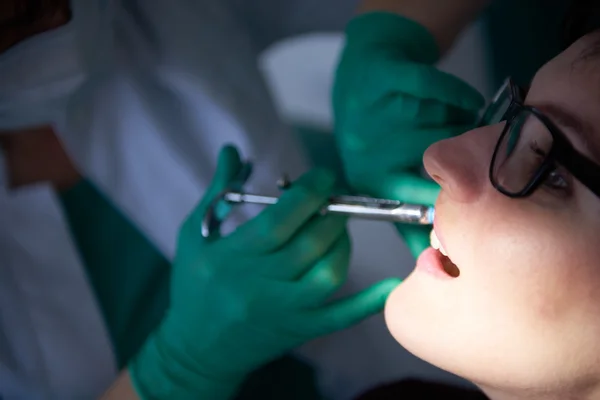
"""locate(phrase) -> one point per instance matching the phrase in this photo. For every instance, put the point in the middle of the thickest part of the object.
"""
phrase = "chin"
(407, 318)
(421, 319)
(413, 319)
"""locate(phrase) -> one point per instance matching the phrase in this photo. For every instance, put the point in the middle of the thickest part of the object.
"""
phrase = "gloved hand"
(390, 103)
(242, 300)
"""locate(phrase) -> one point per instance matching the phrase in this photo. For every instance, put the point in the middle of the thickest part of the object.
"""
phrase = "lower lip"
(430, 262)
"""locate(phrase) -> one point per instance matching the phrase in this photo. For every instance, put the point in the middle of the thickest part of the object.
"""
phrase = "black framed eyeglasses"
(531, 147)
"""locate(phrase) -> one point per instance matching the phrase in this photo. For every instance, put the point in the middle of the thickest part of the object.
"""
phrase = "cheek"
(518, 278)
(542, 272)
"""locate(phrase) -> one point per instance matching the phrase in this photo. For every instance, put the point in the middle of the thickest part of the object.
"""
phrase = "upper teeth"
(435, 243)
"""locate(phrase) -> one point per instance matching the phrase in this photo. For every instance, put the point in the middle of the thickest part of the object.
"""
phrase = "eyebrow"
(585, 132)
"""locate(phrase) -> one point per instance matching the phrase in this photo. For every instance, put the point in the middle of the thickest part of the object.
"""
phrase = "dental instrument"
(355, 206)
(362, 207)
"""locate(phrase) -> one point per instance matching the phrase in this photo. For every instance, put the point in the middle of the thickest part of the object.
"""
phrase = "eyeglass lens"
(521, 152)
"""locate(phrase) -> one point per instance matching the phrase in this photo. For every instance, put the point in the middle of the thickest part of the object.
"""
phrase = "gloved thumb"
(349, 311)
(229, 168)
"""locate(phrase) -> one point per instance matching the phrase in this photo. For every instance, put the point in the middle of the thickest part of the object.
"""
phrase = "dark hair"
(20, 19)
(24, 12)
(583, 17)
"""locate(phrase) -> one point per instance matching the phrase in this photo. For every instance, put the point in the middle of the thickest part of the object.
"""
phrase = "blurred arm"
(269, 21)
(445, 19)
(36, 155)
(122, 389)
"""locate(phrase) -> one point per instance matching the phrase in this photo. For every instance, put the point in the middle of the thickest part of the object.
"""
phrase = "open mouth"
(449, 267)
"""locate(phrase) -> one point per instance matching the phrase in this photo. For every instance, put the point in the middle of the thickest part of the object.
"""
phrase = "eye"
(556, 181)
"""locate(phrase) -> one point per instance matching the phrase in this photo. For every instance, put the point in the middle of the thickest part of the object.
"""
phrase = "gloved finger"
(351, 310)
(422, 81)
(395, 145)
(326, 276)
(408, 187)
(308, 245)
(278, 223)
(409, 112)
(229, 165)
(416, 238)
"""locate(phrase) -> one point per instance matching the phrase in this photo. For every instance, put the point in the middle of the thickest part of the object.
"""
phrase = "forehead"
(574, 73)
(571, 82)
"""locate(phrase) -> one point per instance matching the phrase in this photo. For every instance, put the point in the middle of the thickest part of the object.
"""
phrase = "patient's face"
(524, 313)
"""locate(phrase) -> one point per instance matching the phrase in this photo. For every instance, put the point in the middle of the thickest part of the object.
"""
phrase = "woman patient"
(514, 307)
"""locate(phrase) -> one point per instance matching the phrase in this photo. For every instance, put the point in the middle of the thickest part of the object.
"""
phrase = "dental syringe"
(355, 206)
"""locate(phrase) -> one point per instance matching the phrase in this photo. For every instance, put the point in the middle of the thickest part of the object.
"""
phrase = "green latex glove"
(390, 103)
(241, 300)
